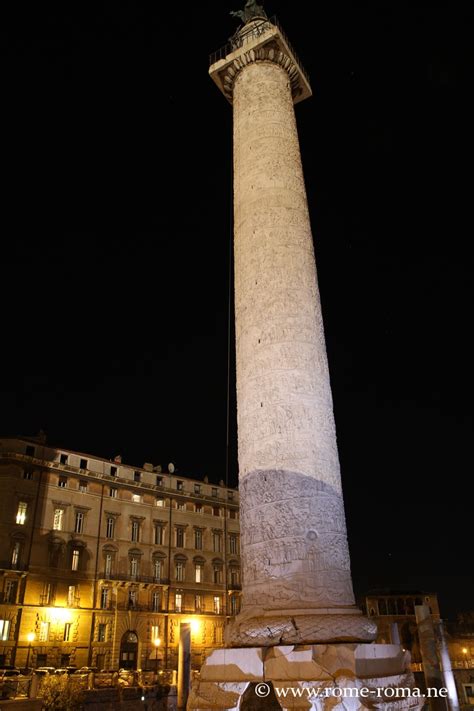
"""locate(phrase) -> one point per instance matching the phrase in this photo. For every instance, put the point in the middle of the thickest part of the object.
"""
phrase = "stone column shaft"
(295, 558)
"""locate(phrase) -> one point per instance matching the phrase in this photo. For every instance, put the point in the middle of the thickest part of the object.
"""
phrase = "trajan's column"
(295, 559)
(298, 626)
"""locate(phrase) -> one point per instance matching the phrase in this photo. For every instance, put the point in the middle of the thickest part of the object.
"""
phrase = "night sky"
(116, 207)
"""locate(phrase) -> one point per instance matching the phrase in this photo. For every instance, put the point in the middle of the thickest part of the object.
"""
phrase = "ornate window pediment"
(109, 548)
(77, 543)
(134, 552)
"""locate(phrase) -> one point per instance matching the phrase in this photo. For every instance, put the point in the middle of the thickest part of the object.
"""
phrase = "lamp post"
(466, 661)
(30, 637)
(156, 642)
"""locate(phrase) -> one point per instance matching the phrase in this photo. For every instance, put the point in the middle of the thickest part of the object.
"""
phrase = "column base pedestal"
(260, 627)
(310, 677)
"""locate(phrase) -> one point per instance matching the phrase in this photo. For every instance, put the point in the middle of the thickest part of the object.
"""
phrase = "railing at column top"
(242, 37)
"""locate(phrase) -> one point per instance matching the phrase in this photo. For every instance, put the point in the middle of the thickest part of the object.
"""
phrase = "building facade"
(394, 613)
(100, 562)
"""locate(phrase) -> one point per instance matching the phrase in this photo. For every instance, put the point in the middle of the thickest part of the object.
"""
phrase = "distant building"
(460, 637)
(394, 613)
(100, 562)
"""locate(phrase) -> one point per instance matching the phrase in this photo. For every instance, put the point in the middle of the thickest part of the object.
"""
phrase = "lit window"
(83, 486)
(109, 533)
(198, 508)
(135, 532)
(102, 632)
(16, 554)
(58, 519)
(47, 593)
(43, 632)
(21, 513)
(179, 571)
(178, 602)
(104, 598)
(160, 502)
(75, 559)
(71, 595)
(108, 563)
(9, 591)
(113, 492)
(67, 632)
(136, 498)
(199, 570)
(62, 482)
(198, 603)
(133, 567)
(217, 604)
(157, 569)
(180, 505)
(4, 630)
(155, 632)
(132, 598)
(155, 601)
(79, 522)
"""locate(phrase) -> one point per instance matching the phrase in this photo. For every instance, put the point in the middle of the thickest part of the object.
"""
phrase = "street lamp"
(30, 637)
(156, 642)
(466, 661)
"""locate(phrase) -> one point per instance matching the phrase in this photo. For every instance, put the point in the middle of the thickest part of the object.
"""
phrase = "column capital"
(259, 41)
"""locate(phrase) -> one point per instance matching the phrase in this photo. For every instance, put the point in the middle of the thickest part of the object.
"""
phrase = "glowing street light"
(31, 638)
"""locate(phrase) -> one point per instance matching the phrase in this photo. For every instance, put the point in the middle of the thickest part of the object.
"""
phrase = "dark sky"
(116, 228)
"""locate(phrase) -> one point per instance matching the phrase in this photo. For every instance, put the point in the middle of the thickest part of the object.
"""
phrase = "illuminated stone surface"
(297, 584)
(295, 560)
(361, 671)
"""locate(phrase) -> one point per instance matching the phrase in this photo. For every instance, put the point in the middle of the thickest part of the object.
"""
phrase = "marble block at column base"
(266, 627)
(297, 677)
